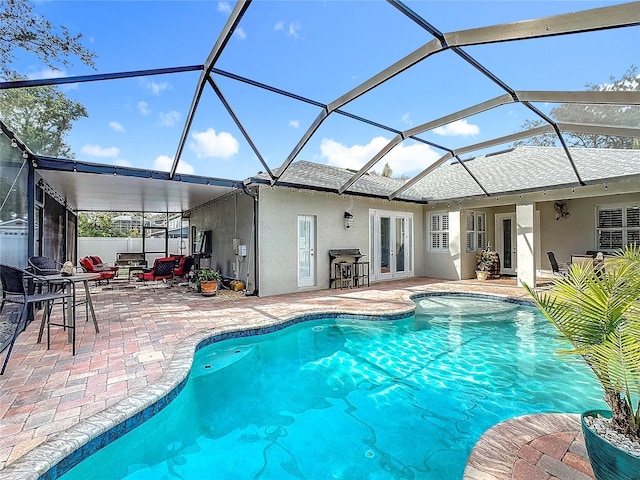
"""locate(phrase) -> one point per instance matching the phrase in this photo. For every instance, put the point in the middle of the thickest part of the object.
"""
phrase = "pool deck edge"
(484, 462)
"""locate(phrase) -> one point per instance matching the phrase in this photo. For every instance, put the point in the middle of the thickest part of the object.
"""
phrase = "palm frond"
(598, 311)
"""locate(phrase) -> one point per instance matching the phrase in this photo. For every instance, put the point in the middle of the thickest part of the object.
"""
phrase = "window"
(476, 231)
(439, 231)
(617, 226)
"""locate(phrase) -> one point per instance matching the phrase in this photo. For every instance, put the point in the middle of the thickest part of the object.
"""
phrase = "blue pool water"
(349, 399)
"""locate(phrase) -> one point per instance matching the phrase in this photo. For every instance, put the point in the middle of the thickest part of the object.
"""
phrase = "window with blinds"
(617, 226)
(476, 231)
(439, 231)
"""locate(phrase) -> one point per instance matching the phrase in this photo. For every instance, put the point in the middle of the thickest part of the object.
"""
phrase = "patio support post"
(526, 259)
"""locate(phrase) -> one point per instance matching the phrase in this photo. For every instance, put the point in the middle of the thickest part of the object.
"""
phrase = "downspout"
(253, 195)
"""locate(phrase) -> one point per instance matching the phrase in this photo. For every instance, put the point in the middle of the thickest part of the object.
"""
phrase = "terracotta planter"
(208, 288)
(607, 460)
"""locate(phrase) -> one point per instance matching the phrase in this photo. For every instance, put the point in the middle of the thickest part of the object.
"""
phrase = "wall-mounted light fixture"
(14, 144)
(348, 220)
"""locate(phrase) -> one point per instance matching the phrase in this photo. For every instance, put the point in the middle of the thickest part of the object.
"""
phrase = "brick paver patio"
(45, 392)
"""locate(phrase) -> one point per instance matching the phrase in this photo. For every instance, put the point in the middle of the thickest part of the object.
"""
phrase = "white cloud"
(116, 126)
(121, 162)
(155, 87)
(46, 73)
(457, 128)
(143, 108)
(294, 28)
(169, 119)
(294, 123)
(224, 7)
(278, 26)
(98, 151)
(208, 144)
(402, 158)
(407, 120)
(164, 164)
(240, 33)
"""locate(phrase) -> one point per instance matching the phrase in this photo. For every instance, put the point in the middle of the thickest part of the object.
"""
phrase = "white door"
(306, 251)
(391, 244)
(506, 242)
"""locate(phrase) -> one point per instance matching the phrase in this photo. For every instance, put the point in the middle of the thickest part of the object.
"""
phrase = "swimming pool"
(354, 399)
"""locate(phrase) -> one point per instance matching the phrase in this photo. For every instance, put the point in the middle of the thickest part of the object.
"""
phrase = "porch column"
(525, 222)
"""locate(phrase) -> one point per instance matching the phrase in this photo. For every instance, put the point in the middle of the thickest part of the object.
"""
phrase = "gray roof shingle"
(519, 169)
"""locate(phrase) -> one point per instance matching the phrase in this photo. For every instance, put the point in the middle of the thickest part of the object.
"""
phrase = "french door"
(391, 236)
(306, 251)
(506, 242)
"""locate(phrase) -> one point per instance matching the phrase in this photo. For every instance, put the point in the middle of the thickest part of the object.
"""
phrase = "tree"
(20, 28)
(40, 116)
(95, 224)
(386, 171)
(610, 115)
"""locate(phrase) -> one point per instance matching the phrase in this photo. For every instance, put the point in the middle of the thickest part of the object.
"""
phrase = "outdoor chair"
(18, 288)
(162, 270)
(89, 266)
(98, 263)
(557, 270)
(184, 266)
(44, 266)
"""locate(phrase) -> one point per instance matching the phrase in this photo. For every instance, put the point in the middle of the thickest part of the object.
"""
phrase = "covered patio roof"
(595, 112)
(93, 187)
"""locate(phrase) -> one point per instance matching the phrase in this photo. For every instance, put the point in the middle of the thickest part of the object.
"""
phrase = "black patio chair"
(557, 270)
(16, 289)
(44, 266)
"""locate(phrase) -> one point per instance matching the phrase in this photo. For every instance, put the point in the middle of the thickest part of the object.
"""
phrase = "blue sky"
(318, 50)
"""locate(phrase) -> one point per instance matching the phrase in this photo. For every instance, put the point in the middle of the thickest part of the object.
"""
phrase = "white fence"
(107, 248)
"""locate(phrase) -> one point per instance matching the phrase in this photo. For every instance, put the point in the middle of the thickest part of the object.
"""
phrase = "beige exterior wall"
(230, 217)
(279, 209)
(576, 234)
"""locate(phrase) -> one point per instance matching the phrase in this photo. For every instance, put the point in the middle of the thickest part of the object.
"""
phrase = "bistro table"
(69, 282)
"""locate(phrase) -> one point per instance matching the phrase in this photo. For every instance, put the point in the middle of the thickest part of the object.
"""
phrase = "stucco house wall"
(229, 218)
(577, 233)
(279, 209)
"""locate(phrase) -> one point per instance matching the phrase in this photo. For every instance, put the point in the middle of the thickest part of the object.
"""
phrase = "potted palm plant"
(209, 280)
(598, 311)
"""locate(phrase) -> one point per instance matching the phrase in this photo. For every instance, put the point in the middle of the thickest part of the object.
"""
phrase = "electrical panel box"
(242, 250)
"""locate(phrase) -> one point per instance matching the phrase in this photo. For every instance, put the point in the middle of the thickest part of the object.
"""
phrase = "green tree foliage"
(607, 115)
(21, 28)
(99, 224)
(40, 116)
(95, 224)
(386, 171)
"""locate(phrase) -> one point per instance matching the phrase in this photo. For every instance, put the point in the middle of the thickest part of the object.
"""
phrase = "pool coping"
(495, 453)
(66, 449)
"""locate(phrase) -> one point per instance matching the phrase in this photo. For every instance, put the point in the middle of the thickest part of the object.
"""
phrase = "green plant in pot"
(484, 262)
(598, 311)
(209, 280)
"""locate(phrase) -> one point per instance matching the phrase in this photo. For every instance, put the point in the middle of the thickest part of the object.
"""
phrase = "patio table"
(69, 283)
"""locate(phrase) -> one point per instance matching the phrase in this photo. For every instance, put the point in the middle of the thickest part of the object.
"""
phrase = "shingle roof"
(520, 169)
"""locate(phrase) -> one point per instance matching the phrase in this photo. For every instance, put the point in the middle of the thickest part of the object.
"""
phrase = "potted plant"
(484, 263)
(209, 280)
(598, 311)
